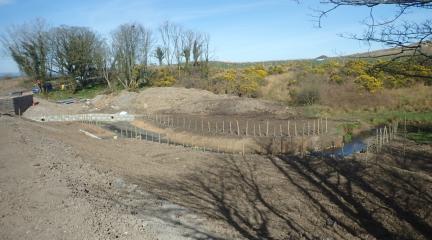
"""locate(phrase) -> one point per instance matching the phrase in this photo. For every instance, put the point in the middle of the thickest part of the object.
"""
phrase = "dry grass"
(347, 96)
(277, 87)
(224, 144)
(350, 97)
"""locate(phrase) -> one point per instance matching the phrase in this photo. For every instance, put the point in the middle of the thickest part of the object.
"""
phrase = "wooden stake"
(243, 149)
(267, 131)
(313, 131)
(230, 128)
(223, 126)
(288, 129)
(247, 127)
(326, 125)
(259, 129)
(238, 128)
(280, 129)
(303, 131)
(295, 129)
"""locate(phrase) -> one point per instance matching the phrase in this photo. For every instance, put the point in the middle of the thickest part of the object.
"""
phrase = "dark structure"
(15, 104)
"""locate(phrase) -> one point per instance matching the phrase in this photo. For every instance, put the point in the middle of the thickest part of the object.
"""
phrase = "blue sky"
(240, 30)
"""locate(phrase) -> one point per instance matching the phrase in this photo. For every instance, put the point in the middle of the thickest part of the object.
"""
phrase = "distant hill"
(9, 75)
(390, 52)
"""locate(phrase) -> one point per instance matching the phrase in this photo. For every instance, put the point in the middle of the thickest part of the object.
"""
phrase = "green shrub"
(307, 96)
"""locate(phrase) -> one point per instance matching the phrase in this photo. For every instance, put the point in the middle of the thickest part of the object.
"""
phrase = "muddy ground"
(57, 183)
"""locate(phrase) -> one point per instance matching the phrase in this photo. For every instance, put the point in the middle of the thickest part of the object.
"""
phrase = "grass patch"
(420, 137)
(381, 117)
(83, 94)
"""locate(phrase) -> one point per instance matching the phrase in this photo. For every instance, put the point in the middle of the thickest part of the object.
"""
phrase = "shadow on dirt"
(289, 197)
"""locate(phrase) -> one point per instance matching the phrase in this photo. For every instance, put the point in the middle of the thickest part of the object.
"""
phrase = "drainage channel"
(126, 130)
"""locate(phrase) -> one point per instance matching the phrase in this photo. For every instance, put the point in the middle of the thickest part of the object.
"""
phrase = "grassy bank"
(86, 93)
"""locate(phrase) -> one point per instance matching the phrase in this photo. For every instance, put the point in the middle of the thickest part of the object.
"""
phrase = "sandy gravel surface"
(185, 101)
(52, 187)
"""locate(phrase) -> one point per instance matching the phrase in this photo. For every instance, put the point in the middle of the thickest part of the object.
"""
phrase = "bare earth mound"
(185, 101)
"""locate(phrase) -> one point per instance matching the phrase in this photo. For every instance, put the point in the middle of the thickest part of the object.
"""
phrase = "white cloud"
(5, 2)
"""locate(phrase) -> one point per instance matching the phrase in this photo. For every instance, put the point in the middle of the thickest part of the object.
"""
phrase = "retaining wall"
(15, 104)
(85, 117)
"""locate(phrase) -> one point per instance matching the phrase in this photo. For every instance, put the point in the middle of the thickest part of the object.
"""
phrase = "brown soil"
(77, 187)
(186, 101)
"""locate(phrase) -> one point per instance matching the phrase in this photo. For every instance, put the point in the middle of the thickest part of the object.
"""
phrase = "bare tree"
(131, 45)
(166, 38)
(205, 54)
(27, 44)
(160, 55)
(197, 49)
(187, 44)
(411, 38)
(106, 63)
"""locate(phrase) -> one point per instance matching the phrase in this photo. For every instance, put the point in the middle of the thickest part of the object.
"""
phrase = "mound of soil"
(185, 101)
(46, 108)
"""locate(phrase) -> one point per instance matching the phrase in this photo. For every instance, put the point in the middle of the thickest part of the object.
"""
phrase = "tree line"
(124, 58)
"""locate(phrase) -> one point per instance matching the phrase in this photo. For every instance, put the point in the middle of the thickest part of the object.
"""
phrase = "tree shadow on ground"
(291, 197)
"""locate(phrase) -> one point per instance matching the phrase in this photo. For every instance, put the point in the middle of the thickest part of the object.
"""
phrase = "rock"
(119, 183)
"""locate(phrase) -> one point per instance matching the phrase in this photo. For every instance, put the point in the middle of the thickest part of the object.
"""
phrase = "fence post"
(381, 138)
(230, 128)
(238, 128)
(288, 129)
(267, 131)
(247, 126)
(303, 130)
(254, 131)
(326, 125)
(243, 149)
(295, 129)
(223, 125)
(386, 134)
(280, 129)
(314, 130)
(259, 129)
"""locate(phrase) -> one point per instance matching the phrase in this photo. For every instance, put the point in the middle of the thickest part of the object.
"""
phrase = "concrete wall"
(85, 117)
(15, 105)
